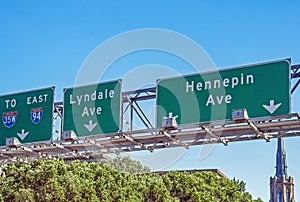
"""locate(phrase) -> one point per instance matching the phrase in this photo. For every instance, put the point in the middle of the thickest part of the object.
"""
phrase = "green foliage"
(57, 181)
(126, 164)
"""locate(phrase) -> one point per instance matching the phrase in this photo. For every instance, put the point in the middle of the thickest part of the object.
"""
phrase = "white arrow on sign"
(272, 108)
(90, 126)
(22, 135)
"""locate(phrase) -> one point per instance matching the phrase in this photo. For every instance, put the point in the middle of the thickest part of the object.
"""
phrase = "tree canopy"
(81, 181)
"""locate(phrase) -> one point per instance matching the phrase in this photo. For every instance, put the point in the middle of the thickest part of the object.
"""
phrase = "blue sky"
(44, 43)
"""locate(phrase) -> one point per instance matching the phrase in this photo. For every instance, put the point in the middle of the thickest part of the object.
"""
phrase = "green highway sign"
(27, 116)
(93, 109)
(262, 89)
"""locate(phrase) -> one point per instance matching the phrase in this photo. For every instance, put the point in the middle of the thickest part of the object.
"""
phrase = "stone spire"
(281, 165)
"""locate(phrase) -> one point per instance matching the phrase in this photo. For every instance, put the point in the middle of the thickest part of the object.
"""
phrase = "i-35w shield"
(9, 119)
(36, 115)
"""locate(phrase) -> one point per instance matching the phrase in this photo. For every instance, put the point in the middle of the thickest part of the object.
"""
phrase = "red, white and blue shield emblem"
(9, 119)
(36, 115)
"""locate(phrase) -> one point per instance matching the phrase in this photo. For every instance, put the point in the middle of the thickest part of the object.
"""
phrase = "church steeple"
(281, 165)
(281, 185)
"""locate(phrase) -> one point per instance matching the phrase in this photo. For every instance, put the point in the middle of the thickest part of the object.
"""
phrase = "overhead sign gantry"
(202, 103)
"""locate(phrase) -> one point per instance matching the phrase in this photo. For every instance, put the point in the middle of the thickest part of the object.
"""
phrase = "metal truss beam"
(295, 74)
(92, 148)
(295, 71)
(131, 99)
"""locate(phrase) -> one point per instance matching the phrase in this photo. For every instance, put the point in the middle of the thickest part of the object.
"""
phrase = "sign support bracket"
(99, 145)
(137, 143)
(258, 131)
(173, 139)
(210, 133)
